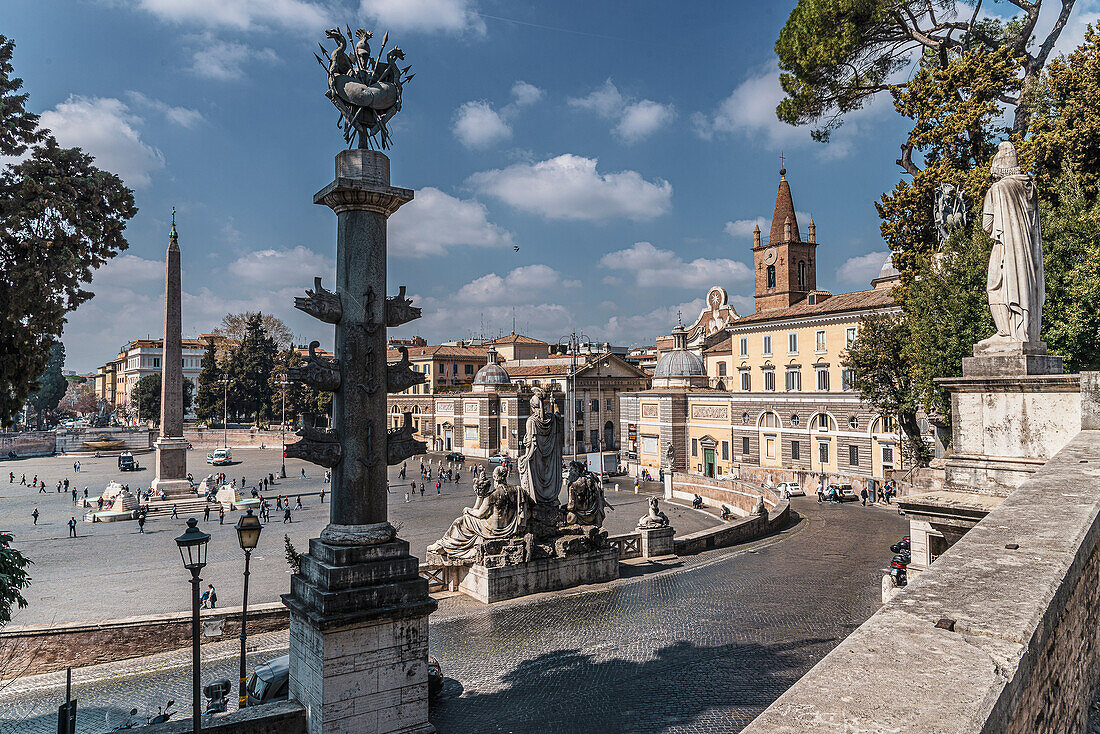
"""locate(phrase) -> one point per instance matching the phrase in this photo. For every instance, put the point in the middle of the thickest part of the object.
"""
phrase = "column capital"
(350, 194)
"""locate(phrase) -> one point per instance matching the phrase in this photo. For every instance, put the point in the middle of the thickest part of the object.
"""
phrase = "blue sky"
(627, 149)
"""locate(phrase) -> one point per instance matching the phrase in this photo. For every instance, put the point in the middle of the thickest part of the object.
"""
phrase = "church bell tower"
(786, 267)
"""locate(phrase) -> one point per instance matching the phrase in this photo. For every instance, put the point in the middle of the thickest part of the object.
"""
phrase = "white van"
(219, 457)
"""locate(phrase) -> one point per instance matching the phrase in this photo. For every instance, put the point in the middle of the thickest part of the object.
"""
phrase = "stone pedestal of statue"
(1003, 358)
(658, 542)
(358, 607)
(171, 467)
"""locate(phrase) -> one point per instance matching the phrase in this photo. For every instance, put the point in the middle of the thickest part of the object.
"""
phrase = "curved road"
(703, 644)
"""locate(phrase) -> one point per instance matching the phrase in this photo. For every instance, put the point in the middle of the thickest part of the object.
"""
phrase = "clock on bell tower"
(786, 267)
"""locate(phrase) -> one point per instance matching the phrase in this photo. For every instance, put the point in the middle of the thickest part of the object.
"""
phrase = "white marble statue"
(499, 513)
(1014, 282)
(654, 518)
(540, 461)
(587, 504)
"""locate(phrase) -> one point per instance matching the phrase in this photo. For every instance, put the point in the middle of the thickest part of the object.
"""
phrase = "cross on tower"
(782, 160)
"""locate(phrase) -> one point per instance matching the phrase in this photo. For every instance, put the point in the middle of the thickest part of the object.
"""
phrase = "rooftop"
(515, 338)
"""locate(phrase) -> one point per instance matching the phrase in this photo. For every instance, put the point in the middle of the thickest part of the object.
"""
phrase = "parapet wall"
(35, 443)
(738, 496)
(207, 439)
(71, 441)
(1001, 634)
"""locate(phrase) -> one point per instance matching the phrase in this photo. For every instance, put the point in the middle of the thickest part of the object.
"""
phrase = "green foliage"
(300, 399)
(249, 370)
(946, 313)
(293, 557)
(208, 398)
(60, 219)
(145, 398)
(13, 578)
(52, 384)
(883, 376)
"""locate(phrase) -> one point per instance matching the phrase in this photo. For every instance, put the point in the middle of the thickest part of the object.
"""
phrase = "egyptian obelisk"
(171, 445)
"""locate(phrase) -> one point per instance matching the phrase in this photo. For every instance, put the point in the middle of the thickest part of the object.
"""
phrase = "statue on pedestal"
(587, 504)
(540, 462)
(654, 518)
(1014, 282)
(498, 514)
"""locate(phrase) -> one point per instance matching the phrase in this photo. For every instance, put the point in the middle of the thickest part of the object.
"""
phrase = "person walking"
(74, 495)
(141, 523)
(175, 513)
(863, 496)
(820, 493)
(35, 515)
(323, 495)
(221, 515)
(206, 513)
(41, 487)
(72, 527)
(298, 502)
(438, 487)
(303, 472)
(413, 486)
(422, 490)
(23, 480)
(286, 516)
(11, 477)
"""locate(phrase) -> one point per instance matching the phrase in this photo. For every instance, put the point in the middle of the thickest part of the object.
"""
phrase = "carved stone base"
(996, 357)
(657, 542)
(493, 584)
(351, 535)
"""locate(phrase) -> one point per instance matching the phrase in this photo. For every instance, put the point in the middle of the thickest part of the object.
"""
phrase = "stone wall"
(46, 648)
(738, 496)
(71, 441)
(1000, 634)
(208, 439)
(732, 533)
(35, 443)
(281, 717)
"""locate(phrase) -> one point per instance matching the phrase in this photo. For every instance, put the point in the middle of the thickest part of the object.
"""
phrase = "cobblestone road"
(111, 570)
(700, 645)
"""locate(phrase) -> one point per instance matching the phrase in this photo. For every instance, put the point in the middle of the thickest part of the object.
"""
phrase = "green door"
(708, 462)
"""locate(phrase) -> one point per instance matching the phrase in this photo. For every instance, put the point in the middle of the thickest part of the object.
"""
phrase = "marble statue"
(365, 89)
(498, 514)
(950, 211)
(1014, 282)
(587, 504)
(540, 460)
(654, 518)
(670, 456)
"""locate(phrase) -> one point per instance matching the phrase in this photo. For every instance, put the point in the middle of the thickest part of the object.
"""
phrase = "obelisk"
(171, 445)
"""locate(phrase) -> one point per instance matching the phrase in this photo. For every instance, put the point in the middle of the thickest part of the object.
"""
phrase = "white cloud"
(425, 16)
(107, 129)
(477, 125)
(125, 270)
(434, 221)
(242, 14)
(636, 120)
(861, 269)
(525, 94)
(569, 187)
(744, 227)
(226, 60)
(646, 327)
(280, 268)
(651, 266)
(524, 284)
(182, 116)
(750, 111)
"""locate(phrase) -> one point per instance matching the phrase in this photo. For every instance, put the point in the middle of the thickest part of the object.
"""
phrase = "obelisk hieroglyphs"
(171, 445)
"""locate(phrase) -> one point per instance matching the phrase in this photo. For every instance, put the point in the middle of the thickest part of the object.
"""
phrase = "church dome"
(491, 375)
(679, 367)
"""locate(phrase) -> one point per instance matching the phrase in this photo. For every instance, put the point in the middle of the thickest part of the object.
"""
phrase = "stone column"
(358, 607)
(170, 445)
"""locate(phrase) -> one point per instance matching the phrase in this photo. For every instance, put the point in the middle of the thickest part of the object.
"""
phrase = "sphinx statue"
(499, 513)
(587, 504)
(654, 518)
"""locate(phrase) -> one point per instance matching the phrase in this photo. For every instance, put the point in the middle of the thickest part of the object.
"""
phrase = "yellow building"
(773, 400)
(444, 367)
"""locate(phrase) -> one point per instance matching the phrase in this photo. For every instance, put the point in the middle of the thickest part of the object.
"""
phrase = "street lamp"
(282, 428)
(192, 545)
(572, 340)
(225, 410)
(248, 529)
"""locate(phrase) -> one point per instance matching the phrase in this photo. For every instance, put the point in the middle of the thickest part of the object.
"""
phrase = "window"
(745, 417)
(793, 380)
(504, 433)
(792, 343)
(744, 346)
(469, 369)
(746, 380)
(849, 336)
(820, 422)
(887, 457)
(579, 403)
(594, 406)
(721, 369)
(694, 447)
(819, 340)
(795, 420)
(823, 452)
(853, 455)
(769, 447)
(853, 422)
(427, 369)
(769, 380)
(767, 342)
(848, 378)
(594, 437)
(725, 451)
(822, 379)
(771, 276)
(802, 275)
(156, 361)
(796, 450)
(745, 445)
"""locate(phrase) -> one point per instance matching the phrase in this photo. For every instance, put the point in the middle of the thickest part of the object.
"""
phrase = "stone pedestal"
(668, 484)
(359, 639)
(1011, 359)
(657, 542)
(171, 467)
(493, 584)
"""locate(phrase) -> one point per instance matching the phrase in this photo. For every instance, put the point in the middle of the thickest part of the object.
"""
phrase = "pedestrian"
(323, 495)
(76, 466)
(11, 477)
(820, 493)
(72, 527)
(23, 480)
(286, 516)
(206, 513)
(205, 599)
(221, 515)
(413, 485)
(863, 496)
(406, 496)
(213, 596)
(34, 481)
(303, 472)
(42, 487)
(74, 495)
(422, 489)
(85, 493)
(141, 523)
(298, 502)
(242, 482)
(175, 513)
(35, 515)
(99, 503)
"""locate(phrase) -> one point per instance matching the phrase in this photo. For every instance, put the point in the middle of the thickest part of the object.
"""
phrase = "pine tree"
(250, 367)
(145, 397)
(52, 384)
(208, 399)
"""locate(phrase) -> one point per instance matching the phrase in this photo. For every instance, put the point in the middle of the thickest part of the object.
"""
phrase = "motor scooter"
(899, 569)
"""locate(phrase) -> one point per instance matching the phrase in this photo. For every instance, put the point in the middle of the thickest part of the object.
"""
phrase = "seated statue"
(586, 499)
(655, 519)
(499, 513)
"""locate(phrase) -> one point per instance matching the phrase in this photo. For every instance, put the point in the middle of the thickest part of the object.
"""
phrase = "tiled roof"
(841, 302)
(547, 370)
(442, 352)
(515, 338)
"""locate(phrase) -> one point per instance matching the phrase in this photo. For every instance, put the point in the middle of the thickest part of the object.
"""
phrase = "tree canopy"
(52, 384)
(145, 397)
(249, 369)
(208, 399)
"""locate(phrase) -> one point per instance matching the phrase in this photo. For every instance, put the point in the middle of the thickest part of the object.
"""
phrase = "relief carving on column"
(401, 376)
(318, 372)
(320, 303)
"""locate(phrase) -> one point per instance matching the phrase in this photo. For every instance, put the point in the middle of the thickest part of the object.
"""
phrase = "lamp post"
(225, 411)
(282, 427)
(192, 545)
(248, 529)
(573, 341)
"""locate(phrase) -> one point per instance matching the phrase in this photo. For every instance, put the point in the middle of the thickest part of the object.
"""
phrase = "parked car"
(271, 681)
(902, 546)
(219, 457)
(790, 489)
(844, 492)
(455, 456)
(498, 459)
(127, 462)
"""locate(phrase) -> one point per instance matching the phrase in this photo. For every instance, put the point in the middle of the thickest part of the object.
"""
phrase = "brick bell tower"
(786, 267)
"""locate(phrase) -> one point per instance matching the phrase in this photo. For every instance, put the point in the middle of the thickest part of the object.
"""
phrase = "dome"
(491, 375)
(679, 363)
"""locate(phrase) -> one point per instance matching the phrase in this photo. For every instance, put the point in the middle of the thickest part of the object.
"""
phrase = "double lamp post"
(192, 546)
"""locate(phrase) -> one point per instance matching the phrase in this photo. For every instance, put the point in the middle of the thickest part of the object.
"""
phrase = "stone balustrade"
(1000, 634)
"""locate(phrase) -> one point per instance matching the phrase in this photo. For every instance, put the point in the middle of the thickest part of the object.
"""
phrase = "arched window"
(822, 422)
(802, 275)
(771, 276)
(768, 419)
(884, 424)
